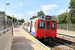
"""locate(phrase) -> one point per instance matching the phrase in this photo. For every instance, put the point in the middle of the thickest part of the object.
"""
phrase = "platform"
(23, 41)
(66, 32)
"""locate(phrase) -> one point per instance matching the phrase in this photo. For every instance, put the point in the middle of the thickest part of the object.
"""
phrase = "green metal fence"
(70, 27)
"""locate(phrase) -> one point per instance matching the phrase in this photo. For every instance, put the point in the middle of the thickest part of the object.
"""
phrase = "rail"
(6, 37)
(66, 36)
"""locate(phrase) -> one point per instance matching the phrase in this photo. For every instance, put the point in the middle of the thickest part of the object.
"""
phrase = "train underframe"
(44, 39)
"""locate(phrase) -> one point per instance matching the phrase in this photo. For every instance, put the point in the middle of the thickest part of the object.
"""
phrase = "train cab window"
(53, 25)
(41, 25)
(48, 25)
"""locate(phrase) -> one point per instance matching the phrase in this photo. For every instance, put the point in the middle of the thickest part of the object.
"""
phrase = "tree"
(9, 17)
(62, 18)
(22, 20)
(33, 17)
(72, 11)
(14, 19)
(40, 13)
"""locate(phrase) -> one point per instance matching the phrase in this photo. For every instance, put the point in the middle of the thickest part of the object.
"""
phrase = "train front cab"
(46, 29)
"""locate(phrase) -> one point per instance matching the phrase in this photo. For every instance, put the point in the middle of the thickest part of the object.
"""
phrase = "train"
(43, 27)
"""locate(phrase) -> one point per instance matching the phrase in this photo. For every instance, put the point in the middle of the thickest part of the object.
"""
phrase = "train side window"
(28, 24)
(53, 25)
(41, 25)
(35, 25)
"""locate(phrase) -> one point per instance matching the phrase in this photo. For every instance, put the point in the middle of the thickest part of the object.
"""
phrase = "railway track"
(65, 42)
(60, 44)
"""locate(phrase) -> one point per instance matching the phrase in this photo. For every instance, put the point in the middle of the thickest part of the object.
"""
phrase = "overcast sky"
(27, 8)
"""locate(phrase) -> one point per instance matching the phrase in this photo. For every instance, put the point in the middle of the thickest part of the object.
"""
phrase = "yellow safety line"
(34, 40)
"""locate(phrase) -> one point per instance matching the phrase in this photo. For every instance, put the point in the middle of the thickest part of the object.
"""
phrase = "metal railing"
(6, 37)
(70, 27)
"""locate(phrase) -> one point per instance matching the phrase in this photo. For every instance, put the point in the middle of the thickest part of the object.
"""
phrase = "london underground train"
(43, 27)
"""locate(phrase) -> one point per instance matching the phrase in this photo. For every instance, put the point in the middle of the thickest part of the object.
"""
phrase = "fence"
(4, 22)
(71, 27)
(6, 37)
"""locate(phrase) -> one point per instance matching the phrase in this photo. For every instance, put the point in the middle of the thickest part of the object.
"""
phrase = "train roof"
(44, 17)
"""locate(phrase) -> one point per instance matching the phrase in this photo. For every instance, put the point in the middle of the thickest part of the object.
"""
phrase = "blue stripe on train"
(33, 33)
(28, 30)
(24, 28)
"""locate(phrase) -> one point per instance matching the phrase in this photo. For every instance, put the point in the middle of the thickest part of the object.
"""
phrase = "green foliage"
(40, 13)
(72, 11)
(72, 4)
(14, 19)
(9, 17)
(62, 18)
(22, 20)
(33, 17)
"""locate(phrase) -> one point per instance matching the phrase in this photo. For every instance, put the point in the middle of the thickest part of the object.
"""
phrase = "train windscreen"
(41, 25)
(53, 25)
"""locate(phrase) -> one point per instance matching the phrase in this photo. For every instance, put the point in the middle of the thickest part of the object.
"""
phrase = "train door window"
(48, 25)
(53, 25)
(41, 25)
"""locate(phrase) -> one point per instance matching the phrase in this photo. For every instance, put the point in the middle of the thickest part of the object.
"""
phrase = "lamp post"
(5, 9)
(5, 16)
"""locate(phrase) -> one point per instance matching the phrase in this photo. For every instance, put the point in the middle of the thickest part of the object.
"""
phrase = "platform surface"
(66, 32)
(22, 41)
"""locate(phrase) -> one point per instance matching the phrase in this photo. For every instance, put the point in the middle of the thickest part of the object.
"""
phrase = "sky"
(27, 8)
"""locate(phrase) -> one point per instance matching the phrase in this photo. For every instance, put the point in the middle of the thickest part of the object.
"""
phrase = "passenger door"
(48, 28)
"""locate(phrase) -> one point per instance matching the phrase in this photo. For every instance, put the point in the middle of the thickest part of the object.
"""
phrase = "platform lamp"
(5, 9)
(5, 15)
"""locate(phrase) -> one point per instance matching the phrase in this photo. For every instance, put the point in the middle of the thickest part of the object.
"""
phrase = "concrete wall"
(6, 40)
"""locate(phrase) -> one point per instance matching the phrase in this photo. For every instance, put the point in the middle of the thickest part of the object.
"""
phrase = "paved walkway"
(22, 41)
(66, 32)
